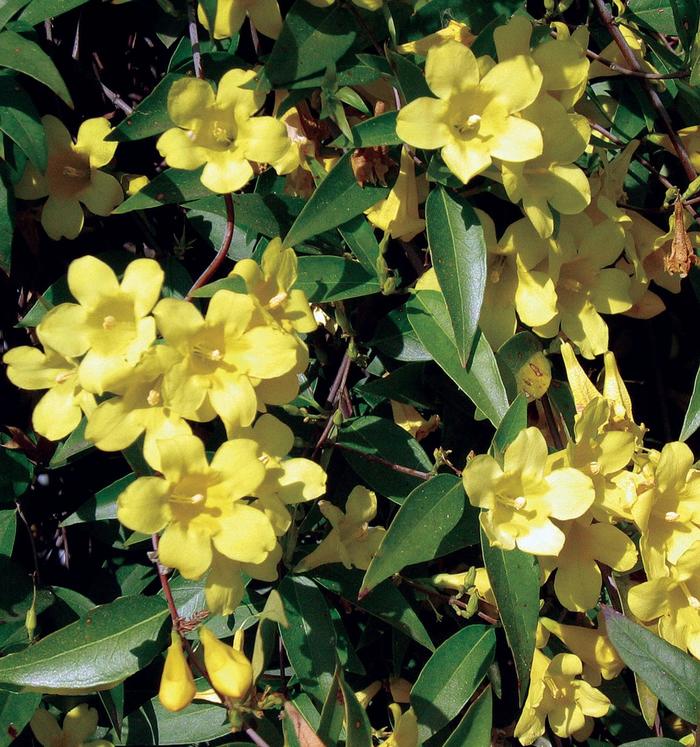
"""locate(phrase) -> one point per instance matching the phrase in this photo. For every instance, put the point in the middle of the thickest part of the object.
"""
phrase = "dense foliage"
(349, 370)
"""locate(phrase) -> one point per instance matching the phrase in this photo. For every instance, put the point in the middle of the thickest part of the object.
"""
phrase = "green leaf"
(515, 580)
(691, 421)
(73, 446)
(385, 602)
(310, 637)
(39, 10)
(524, 358)
(671, 674)
(103, 506)
(451, 676)
(332, 713)
(310, 40)
(434, 520)
(358, 732)
(382, 438)
(7, 219)
(94, 653)
(337, 199)
(19, 120)
(359, 236)
(395, 338)
(379, 130)
(475, 727)
(514, 421)
(251, 210)
(172, 186)
(655, 14)
(410, 78)
(16, 710)
(458, 249)
(429, 317)
(334, 279)
(26, 57)
(8, 529)
(16, 472)
(652, 742)
(8, 8)
(236, 284)
(150, 117)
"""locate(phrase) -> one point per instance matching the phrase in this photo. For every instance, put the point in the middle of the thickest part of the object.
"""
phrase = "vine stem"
(654, 98)
(379, 460)
(165, 585)
(256, 737)
(634, 73)
(194, 40)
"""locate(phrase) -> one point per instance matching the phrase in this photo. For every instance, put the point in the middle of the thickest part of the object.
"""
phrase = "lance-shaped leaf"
(458, 249)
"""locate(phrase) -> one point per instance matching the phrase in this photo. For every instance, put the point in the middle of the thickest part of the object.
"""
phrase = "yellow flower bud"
(177, 686)
(229, 670)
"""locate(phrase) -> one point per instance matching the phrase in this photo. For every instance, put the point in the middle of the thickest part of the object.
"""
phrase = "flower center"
(221, 134)
(672, 516)
(594, 467)
(496, 269)
(519, 503)
(470, 125)
(277, 300)
(109, 322)
(64, 376)
(153, 398)
(68, 173)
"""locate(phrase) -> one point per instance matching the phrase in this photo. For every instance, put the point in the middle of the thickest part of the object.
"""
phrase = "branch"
(657, 104)
(379, 460)
(634, 73)
(194, 40)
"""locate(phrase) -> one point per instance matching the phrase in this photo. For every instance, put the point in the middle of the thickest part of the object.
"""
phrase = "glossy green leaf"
(16, 709)
(652, 742)
(515, 580)
(251, 210)
(336, 200)
(73, 660)
(16, 473)
(103, 505)
(332, 713)
(385, 602)
(655, 14)
(309, 624)
(451, 676)
(475, 727)
(75, 445)
(395, 338)
(691, 421)
(358, 732)
(20, 121)
(311, 39)
(458, 250)
(23, 55)
(39, 10)
(172, 186)
(150, 117)
(429, 317)
(409, 76)
(379, 130)
(334, 279)
(671, 674)
(514, 421)
(383, 439)
(7, 220)
(530, 370)
(8, 529)
(434, 520)
(9, 8)
(359, 236)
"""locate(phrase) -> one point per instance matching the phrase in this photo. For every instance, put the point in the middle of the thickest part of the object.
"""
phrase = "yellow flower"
(134, 183)
(364, 696)
(558, 696)
(351, 541)
(690, 137)
(397, 214)
(578, 580)
(593, 647)
(139, 408)
(110, 325)
(200, 507)
(458, 581)
(229, 670)
(408, 418)
(264, 16)
(60, 410)
(72, 176)
(673, 601)
(221, 355)
(79, 724)
(219, 130)
(454, 31)
(473, 119)
(667, 511)
(519, 499)
(177, 688)
(405, 732)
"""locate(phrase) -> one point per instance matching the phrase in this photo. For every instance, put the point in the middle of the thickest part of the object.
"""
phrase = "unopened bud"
(229, 670)
(177, 688)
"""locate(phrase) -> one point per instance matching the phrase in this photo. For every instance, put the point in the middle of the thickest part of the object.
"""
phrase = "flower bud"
(177, 686)
(229, 670)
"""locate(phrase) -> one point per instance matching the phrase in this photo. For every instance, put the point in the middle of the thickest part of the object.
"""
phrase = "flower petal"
(180, 151)
(246, 535)
(226, 172)
(143, 506)
(103, 194)
(569, 493)
(451, 69)
(423, 123)
(182, 456)
(188, 101)
(79, 724)
(91, 142)
(62, 218)
(143, 280)
(186, 547)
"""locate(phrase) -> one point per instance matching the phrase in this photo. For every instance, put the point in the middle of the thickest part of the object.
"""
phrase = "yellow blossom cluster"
(157, 365)
(579, 510)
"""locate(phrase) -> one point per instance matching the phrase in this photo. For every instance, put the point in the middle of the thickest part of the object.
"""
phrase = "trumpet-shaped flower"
(78, 725)
(110, 325)
(578, 580)
(673, 602)
(351, 540)
(454, 31)
(408, 418)
(228, 668)
(264, 16)
(218, 130)
(60, 410)
(199, 506)
(221, 354)
(521, 498)
(593, 647)
(667, 511)
(177, 688)
(556, 695)
(139, 408)
(72, 177)
(405, 733)
(397, 214)
(474, 119)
